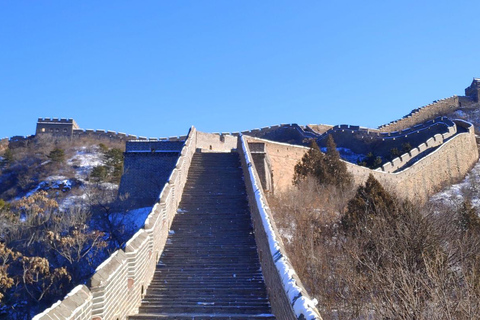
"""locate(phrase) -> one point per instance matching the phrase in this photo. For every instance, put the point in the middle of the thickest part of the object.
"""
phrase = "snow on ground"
(85, 160)
(53, 182)
(468, 187)
(348, 155)
(84, 198)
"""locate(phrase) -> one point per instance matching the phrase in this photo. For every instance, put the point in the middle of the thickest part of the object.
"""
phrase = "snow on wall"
(275, 259)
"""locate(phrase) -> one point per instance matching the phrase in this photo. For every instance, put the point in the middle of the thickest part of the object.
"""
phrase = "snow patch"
(85, 160)
(455, 194)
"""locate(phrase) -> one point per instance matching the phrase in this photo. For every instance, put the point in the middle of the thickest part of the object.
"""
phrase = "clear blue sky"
(154, 68)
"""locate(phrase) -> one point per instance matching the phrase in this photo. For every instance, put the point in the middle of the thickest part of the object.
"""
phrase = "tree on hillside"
(57, 155)
(327, 169)
(7, 158)
(370, 200)
(468, 218)
(112, 170)
(372, 161)
(337, 173)
(312, 164)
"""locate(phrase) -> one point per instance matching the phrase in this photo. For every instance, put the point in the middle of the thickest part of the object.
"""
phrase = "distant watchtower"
(473, 90)
(56, 127)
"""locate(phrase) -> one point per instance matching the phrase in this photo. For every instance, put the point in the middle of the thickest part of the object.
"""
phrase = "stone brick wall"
(289, 133)
(145, 174)
(283, 158)
(419, 115)
(364, 140)
(447, 164)
(320, 128)
(56, 127)
(224, 142)
(76, 305)
(288, 298)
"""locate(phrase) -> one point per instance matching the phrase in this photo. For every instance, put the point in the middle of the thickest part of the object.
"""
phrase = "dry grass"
(421, 266)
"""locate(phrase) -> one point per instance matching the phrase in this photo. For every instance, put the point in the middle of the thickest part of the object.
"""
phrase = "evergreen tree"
(370, 200)
(113, 169)
(468, 218)
(7, 157)
(337, 173)
(327, 168)
(372, 161)
(312, 164)
(57, 155)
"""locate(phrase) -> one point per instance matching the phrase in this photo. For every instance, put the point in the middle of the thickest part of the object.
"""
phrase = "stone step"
(204, 308)
(201, 316)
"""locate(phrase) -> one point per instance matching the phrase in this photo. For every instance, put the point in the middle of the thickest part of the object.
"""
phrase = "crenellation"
(422, 147)
(414, 152)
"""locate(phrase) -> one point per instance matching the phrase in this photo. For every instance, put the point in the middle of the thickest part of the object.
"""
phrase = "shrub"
(57, 155)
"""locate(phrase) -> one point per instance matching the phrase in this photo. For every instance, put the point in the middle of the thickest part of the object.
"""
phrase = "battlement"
(58, 121)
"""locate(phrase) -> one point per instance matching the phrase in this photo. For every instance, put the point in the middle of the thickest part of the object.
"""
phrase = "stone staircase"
(209, 268)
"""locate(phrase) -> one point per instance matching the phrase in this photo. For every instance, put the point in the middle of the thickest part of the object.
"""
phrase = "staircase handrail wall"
(288, 297)
(119, 283)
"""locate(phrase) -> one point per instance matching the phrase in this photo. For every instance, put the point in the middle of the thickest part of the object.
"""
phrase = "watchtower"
(56, 127)
(474, 89)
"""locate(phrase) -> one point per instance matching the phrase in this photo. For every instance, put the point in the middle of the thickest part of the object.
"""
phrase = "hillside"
(58, 219)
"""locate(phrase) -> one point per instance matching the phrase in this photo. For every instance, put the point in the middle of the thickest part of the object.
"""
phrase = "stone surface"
(209, 267)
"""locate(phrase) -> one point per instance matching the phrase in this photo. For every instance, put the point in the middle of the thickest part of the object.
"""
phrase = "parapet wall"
(289, 133)
(422, 114)
(216, 142)
(288, 298)
(406, 158)
(113, 135)
(364, 140)
(119, 283)
(446, 165)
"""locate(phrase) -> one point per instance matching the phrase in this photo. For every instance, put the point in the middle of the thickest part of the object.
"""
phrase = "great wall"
(444, 150)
